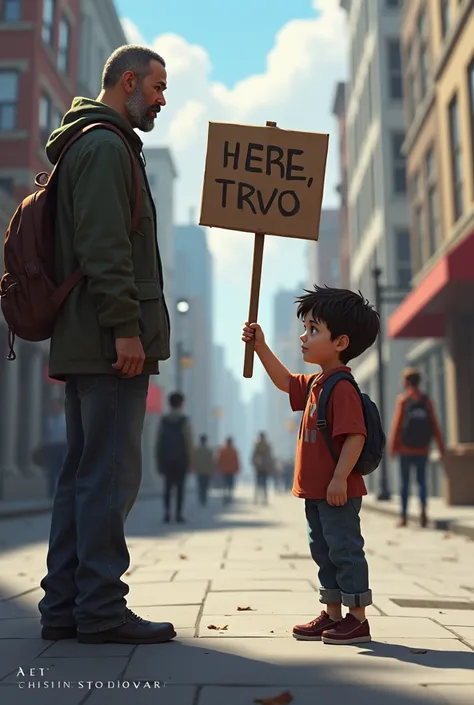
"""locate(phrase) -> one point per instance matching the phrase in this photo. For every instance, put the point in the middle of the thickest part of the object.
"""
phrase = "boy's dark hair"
(345, 313)
(412, 377)
(176, 400)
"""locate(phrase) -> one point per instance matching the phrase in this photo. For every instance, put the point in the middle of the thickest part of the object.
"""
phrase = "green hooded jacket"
(121, 294)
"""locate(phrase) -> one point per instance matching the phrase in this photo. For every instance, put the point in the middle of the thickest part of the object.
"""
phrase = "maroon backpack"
(30, 300)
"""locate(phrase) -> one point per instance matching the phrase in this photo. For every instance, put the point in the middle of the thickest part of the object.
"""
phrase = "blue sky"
(237, 38)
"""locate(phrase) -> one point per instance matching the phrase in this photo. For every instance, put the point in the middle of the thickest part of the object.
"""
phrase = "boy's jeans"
(337, 547)
(96, 489)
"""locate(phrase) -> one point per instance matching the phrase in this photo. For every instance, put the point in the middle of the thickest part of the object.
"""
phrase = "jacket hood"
(85, 111)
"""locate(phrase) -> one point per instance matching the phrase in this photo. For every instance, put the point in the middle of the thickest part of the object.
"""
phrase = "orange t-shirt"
(314, 464)
(228, 460)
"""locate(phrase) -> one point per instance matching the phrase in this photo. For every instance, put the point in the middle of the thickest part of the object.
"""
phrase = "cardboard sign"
(264, 179)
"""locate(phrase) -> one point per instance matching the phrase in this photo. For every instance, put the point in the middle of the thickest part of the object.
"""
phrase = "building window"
(11, 10)
(7, 185)
(398, 163)
(48, 21)
(432, 201)
(45, 118)
(394, 69)
(8, 100)
(424, 53)
(470, 80)
(456, 159)
(63, 45)
(445, 16)
(403, 258)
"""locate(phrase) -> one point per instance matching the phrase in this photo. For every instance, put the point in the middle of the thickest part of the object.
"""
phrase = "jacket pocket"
(154, 324)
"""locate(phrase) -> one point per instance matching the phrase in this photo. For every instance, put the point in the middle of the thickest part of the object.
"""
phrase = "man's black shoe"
(58, 633)
(135, 631)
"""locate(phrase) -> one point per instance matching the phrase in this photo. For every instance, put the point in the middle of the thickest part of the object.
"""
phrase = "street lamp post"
(182, 307)
(383, 294)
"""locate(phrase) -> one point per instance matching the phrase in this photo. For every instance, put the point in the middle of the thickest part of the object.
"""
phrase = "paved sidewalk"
(458, 519)
(247, 556)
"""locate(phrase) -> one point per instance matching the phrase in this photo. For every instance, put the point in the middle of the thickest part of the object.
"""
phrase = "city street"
(256, 559)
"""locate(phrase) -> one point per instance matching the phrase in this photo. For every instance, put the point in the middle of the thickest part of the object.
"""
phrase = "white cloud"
(296, 90)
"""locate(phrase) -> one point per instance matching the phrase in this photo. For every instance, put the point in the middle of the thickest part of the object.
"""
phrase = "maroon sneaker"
(314, 629)
(347, 631)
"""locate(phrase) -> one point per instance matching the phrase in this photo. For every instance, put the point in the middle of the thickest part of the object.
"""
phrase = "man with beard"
(109, 336)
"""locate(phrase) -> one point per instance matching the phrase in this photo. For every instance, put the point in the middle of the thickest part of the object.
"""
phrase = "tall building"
(161, 173)
(193, 275)
(324, 260)
(379, 223)
(438, 56)
(38, 78)
(339, 111)
(100, 34)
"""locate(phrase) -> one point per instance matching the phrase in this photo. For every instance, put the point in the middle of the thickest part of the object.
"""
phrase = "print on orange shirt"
(314, 465)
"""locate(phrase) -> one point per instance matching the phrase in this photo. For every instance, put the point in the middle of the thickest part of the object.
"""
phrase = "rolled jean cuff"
(330, 597)
(361, 599)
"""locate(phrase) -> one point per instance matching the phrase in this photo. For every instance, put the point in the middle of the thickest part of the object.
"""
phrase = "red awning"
(448, 287)
(154, 402)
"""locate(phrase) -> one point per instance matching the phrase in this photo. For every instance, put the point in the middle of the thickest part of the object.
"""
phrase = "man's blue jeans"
(96, 489)
(337, 547)
(406, 463)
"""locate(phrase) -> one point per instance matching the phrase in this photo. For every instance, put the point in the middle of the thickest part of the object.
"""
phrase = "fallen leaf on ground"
(419, 651)
(183, 556)
(244, 609)
(217, 627)
(271, 631)
(282, 699)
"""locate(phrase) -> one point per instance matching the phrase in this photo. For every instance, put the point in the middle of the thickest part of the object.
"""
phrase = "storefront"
(442, 306)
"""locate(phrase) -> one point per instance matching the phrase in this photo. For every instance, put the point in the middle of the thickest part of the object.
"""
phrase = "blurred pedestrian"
(288, 470)
(228, 464)
(174, 451)
(414, 426)
(108, 337)
(55, 444)
(262, 461)
(203, 464)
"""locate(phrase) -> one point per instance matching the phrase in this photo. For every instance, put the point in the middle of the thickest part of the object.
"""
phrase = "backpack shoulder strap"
(136, 176)
(326, 391)
(63, 291)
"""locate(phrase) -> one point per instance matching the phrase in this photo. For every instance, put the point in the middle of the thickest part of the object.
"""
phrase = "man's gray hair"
(129, 58)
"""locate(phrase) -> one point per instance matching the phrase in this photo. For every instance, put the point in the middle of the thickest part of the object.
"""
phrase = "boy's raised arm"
(275, 369)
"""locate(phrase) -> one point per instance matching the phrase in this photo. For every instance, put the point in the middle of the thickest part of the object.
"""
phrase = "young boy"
(339, 325)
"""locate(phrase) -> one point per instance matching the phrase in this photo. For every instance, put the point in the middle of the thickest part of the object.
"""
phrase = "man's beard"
(139, 111)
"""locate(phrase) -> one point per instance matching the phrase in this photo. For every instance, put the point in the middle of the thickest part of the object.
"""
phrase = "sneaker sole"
(301, 637)
(97, 638)
(359, 640)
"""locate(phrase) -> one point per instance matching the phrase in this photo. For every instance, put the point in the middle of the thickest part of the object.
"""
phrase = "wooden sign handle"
(255, 292)
(254, 299)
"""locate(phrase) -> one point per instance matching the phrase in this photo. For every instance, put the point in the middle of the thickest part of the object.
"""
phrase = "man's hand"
(337, 492)
(130, 356)
(251, 331)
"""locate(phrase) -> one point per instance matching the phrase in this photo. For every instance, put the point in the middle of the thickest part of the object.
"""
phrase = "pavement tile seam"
(458, 636)
(201, 610)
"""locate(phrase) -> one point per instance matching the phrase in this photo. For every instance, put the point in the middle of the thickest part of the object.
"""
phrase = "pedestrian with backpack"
(82, 266)
(174, 452)
(414, 427)
(340, 440)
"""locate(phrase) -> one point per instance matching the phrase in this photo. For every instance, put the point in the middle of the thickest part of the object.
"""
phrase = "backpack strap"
(326, 391)
(63, 291)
